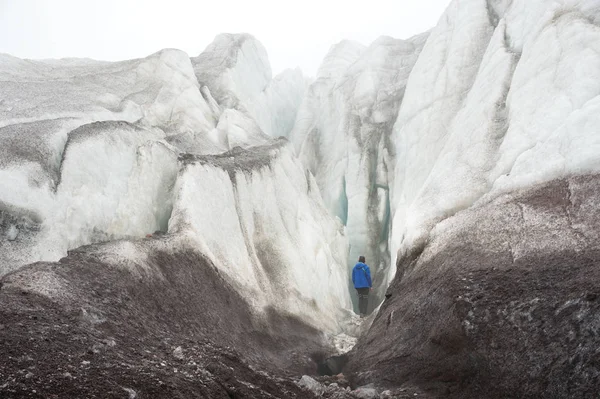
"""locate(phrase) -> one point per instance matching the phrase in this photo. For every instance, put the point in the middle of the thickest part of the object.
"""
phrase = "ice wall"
(89, 148)
(41, 102)
(115, 180)
(78, 136)
(260, 218)
(342, 134)
(504, 95)
(100, 152)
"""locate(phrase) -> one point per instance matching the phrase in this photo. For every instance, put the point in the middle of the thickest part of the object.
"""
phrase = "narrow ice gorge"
(343, 136)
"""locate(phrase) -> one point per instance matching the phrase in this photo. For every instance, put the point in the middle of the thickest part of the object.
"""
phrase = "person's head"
(361, 259)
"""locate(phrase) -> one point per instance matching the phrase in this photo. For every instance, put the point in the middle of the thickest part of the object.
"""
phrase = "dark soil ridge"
(114, 332)
(238, 158)
(503, 302)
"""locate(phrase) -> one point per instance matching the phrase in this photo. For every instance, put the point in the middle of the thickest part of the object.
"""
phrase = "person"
(361, 278)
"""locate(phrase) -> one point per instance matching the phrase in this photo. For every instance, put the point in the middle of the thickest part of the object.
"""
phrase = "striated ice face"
(90, 149)
(259, 217)
(504, 96)
(96, 152)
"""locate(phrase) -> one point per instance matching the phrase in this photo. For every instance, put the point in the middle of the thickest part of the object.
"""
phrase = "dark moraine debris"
(33, 143)
(170, 328)
(502, 302)
(238, 158)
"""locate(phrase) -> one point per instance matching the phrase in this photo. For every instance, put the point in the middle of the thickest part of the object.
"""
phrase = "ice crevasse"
(343, 136)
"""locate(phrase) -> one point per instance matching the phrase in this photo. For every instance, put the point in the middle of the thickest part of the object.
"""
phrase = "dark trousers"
(363, 300)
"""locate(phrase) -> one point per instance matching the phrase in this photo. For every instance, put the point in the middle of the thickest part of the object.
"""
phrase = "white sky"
(294, 33)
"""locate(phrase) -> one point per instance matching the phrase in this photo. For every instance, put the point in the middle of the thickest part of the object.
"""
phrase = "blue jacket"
(361, 276)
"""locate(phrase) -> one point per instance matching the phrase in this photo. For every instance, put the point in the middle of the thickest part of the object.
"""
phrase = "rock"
(13, 233)
(371, 385)
(341, 379)
(311, 384)
(366, 393)
(387, 394)
(178, 353)
(131, 392)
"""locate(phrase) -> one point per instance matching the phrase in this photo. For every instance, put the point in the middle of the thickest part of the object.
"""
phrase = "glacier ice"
(124, 150)
(513, 106)
(64, 163)
(260, 219)
(160, 90)
(435, 91)
(114, 181)
(503, 95)
(343, 135)
(236, 70)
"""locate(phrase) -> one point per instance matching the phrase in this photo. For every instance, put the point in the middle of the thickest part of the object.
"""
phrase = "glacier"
(471, 136)
(462, 162)
(343, 136)
(120, 151)
(47, 132)
(156, 178)
(494, 207)
(259, 217)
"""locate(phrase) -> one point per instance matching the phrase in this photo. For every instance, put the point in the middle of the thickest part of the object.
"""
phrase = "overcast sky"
(294, 33)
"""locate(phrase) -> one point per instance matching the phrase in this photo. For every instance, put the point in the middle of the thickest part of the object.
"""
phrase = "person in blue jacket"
(361, 277)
